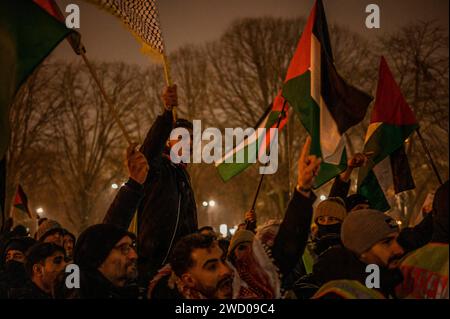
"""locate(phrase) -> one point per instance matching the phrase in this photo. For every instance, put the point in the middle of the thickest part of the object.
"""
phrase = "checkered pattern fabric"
(141, 16)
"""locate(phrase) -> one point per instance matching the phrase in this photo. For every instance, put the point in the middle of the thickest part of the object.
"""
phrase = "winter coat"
(13, 281)
(409, 238)
(165, 203)
(93, 285)
(338, 263)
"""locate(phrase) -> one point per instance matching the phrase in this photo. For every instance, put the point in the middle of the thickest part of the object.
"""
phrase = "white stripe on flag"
(331, 142)
(246, 142)
(383, 173)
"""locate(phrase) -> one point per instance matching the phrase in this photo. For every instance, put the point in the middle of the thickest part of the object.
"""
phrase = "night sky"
(198, 21)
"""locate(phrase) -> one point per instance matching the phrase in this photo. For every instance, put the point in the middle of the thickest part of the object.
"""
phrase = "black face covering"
(324, 230)
(14, 266)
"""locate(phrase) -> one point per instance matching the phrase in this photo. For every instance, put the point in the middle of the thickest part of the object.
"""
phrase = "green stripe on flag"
(372, 190)
(229, 170)
(385, 140)
(298, 92)
(27, 35)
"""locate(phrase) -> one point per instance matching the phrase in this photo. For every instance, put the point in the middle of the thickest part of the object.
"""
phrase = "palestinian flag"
(52, 8)
(21, 201)
(27, 35)
(392, 122)
(252, 147)
(326, 104)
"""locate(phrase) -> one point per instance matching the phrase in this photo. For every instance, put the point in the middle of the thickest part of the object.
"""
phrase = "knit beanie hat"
(95, 243)
(331, 207)
(46, 227)
(364, 228)
(355, 199)
(18, 243)
(241, 236)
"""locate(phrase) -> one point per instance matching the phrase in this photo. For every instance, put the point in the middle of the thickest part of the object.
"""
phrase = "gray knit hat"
(331, 207)
(364, 228)
(46, 227)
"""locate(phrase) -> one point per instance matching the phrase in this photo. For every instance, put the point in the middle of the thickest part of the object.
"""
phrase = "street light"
(223, 229)
(205, 204)
(212, 203)
(323, 197)
(40, 210)
(114, 186)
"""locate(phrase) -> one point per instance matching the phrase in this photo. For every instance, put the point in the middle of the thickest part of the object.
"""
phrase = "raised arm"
(292, 237)
(341, 185)
(157, 136)
(124, 205)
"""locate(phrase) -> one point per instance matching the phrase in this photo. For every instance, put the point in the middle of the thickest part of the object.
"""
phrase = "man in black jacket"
(44, 262)
(164, 200)
(107, 259)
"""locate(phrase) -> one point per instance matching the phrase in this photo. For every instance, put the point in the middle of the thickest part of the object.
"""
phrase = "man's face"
(210, 275)
(68, 245)
(55, 237)
(191, 139)
(386, 253)
(44, 274)
(328, 220)
(15, 255)
(120, 266)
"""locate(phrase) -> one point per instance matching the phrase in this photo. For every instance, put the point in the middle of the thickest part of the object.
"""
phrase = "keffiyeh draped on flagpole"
(141, 18)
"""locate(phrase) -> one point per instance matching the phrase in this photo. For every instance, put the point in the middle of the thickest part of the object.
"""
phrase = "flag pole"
(105, 96)
(169, 82)
(262, 175)
(430, 159)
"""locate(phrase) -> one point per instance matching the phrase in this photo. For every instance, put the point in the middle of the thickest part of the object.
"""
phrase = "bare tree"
(418, 56)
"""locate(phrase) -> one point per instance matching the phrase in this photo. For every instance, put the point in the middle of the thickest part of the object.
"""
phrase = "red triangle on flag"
(390, 105)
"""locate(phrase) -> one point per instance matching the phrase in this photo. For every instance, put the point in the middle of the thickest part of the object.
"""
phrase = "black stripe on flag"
(401, 172)
(347, 104)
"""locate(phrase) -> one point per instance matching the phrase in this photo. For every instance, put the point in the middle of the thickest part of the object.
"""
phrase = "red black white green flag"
(392, 122)
(21, 201)
(326, 104)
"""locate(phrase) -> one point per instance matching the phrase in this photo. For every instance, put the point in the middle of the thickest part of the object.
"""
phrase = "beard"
(222, 290)
(131, 271)
(394, 261)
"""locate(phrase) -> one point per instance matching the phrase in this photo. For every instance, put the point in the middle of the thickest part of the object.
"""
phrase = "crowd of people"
(312, 253)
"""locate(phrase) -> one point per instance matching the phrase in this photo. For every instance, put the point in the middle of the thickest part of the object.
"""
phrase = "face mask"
(14, 266)
(324, 230)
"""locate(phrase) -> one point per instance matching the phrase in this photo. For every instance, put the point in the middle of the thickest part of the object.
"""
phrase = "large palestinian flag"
(252, 147)
(27, 35)
(387, 172)
(326, 104)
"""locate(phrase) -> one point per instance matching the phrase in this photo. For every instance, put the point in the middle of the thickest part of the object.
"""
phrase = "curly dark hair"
(181, 256)
(38, 253)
